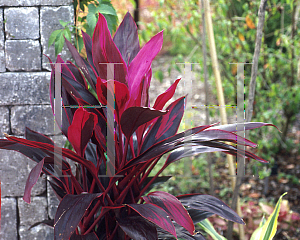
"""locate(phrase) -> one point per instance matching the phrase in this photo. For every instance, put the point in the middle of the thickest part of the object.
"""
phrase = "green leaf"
(91, 20)
(209, 229)
(63, 23)
(53, 36)
(67, 34)
(59, 43)
(92, 8)
(106, 9)
(111, 22)
(159, 75)
(270, 226)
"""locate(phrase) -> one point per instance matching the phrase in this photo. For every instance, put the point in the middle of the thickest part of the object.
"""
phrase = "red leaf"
(120, 90)
(105, 51)
(32, 179)
(155, 215)
(134, 117)
(173, 207)
(163, 98)
(81, 129)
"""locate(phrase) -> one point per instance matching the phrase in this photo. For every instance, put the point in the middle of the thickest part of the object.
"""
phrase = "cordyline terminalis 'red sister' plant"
(93, 206)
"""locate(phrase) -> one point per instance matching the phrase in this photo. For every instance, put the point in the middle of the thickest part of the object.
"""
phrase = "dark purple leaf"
(126, 39)
(165, 126)
(31, 180)
(134, 117)
(69, 213)
(188, 151)
(221, 135)
(181, 232)
(48, 147)
(80, 63)
(105, 51)
(48, 222)
(35, 136)
(58, 190)
(88, 48)
(78, 75)
(159, 180)
(229, 149)
(138, 227)
(163, 147)
(173, 207)
(246, 125)
(210, 204)
(89, 236)
(81, 129)
(198, 215)
(155, 215)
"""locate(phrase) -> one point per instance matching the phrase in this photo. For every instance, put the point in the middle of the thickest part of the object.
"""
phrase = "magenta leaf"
(136, 227)
(69, 213)
(134, 117)
(173, 207)
(105, 51)
(210, 204)
(126, 39)
(155, 215)
(81, 129)
(31, 180)
(142, 62)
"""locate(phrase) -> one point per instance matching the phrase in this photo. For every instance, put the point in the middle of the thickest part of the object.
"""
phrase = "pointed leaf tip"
(32, 180)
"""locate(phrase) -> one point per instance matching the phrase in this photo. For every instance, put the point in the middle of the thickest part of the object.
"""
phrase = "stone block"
(19, 26)
(34, 2)
(24, 88)
(31, 213)
(2, 57)
(55, 2)
(23, 55)
(8, 219)
(38, 118)
(14, 170)
(49, 21)
(4, 120)
(53, 201)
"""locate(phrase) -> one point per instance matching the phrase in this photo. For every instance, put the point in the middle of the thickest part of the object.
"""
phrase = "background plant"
(235, 29)
(86, 17)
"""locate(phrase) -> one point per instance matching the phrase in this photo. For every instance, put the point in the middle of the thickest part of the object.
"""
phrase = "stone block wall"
(24, 101)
